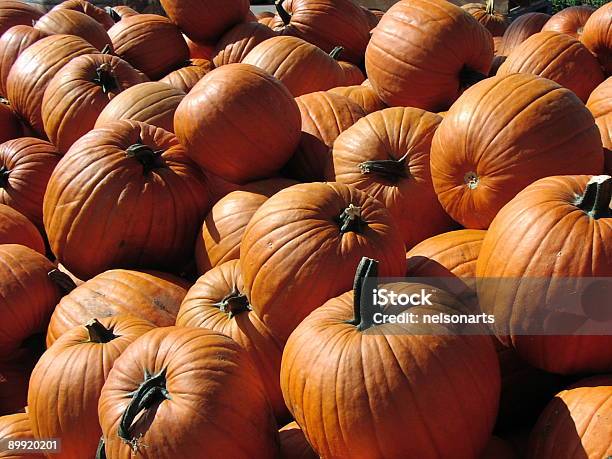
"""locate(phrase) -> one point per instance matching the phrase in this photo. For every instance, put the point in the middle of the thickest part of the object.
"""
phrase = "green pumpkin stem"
(4, 176)
(282, 12)
(105, 78)
(363, 309)
(336, 52)
(98, 333)
(350, 219)
(469, 77)
(595, 201)
(113, 14)
(145, 155)
(100, 451)
(62, 280)
(234, 303)
(390, 168)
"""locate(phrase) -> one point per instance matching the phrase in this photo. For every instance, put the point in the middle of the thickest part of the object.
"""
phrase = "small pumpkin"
(364, 96)
(293, 443)
(570, 20)
(600, 105)
(238, 41)
(492, 20)
(13, 12)
(187, 76)
(15, 228)
(17, 427)
(72, 22)
(521, 29)
(12, 44)
(91, 10)
(597, 36)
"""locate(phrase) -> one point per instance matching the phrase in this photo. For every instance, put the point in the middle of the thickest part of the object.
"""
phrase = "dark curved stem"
(595, 201)
(390, 168)
(62, 280)
(4, 176)
(469, 77)
(363, 309)
(336, 52)
(282, 12)
(105, 78)
(149, 158)
(350, 219)
(98, 333)
(113, 14)
(234, 303)
(100, 451)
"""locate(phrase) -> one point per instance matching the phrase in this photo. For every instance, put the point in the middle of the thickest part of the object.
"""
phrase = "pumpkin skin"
(79, 91)
(244, 96)
(290, 58)
(152, 103)
(14, 377)
(149, 42)
(393, 134)
(68, 378)
(12, 44)
(124, 11)
(148, 295)
(151, 228)
(570, 20)
(91, 10)
(352, 74)
(525, 250)
(410, 80)
(324, 117)
(597, 36)
(205, 371)
(14, 13)
(477, 171)
(558, 57)
(217, 302)
(187, 77)
(10, 127)
(71, 22)
(34, 69)
(294, 247)
(199, 50)
(17, 427)
(293, 443)
(520, 29)
(15, 228)
(363, 96)
(238, 41)
(492, 20)
(600, 105)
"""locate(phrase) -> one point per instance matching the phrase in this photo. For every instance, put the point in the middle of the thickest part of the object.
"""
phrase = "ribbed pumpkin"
(386, 155)
(10, 126)
(230, 123)
(293, 443)
(217, 302)
(122, 12)
(520, 245)
(199, 50)
(600, 105)
(492, 20)
(341, 373)
(425, 62)
(305, 241)
(12, 44)
(324, 117)
(149, 295)
(14, 376)
(15, 228)
(71, 22)
(91, 10)
(17, 427)
(570, 20)
(26, 165)
(34, 69)
(187, 76)
(14, 13)
(597, 36)
(153, 103)
(558, 57)
(520, 29)
(238, 41)
(352, 74)
(219, 187)
(149, 42)
(79, 91)
(66, 383)
(179, 372)
(496, 139)
(364, 96)
(135, 170)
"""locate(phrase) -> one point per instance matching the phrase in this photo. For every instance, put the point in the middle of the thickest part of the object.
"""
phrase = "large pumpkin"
(238, 41)
(558, 57)
(293, 443)
(136, 170)
(67, 380)
(496, 139)
(12, 44)
(153, 102)
(324, 117)
(14, 13)
(600, 105)
(179, 372)
(494, 21)
(26, 165)
(148, 295)
(521, 245)
(34, 69)
(15, 228)
(79, 91)
(149, 42)
(570, 20)
(17, 427)
(364, 372)
(520, 29)
(188, 76)
(302, 244)
(386, 155)
(239, 122)
(91, 10)
(71, 22)
(426, 61)
(363, 96)
(597, 36)
(352, 74)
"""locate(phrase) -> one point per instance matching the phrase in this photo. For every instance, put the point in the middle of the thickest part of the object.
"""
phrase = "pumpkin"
(91, 10)
(78, 93)
(269, 21)
(373, 16)
(14, 13)
(238, 41)
(152, 102)
(425, 62)
(341, 372)
(26, 165)
(597, 36)
(217, 302)
(136, 170)
(352, 74)
(17, 427)
(600, 105)
(579, 209)
(67, 380)
(206, 24)
(14, 376)
(324, 117)
(558, 57)
(576, 423)
(326, 24)
(293, 444)
(15, 228)
(304, 242)
(10, 127)
(149, 42)
(219, 187)
(12, 44)
(264, 14)
(290, 58)
(497, 43)
(570, 20)
(492, 20)
(72, 22)
(520, 29)
(34, 69)
(386, 155)
(498, 449)
(199, 50)
(148, 295)
(187, 76)
(497, 63)
(478, 165)
(221, 234)
(363, 96)
(181, 371)
(230, 123)
(119, 12)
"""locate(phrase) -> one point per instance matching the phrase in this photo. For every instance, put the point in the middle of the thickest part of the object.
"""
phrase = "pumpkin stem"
(149, 158)
(113, 14)
(152, 390)
(363, 309)
(108, 49)
(490, 7)
(335, 53)
(98, 333)
(469, 77)
(62, 280)
(234, 303)
(282, 12)
(390, 168)
(101, 452)
(595, 201)
(350, 219)
(4, 176)
(105, 78)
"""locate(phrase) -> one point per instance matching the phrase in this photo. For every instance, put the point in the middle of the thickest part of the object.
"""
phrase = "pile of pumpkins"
(190, 206)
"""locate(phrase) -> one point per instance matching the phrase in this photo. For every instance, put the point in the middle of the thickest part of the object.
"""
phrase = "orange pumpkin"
(12, 44)
(14, 376)
(187, 76)
(238, 41)
(600, 105)
(10, 126)
(293, 443)
(91, 10)
(17, 229)
(364, 96)
(521, 29)
(13, 12)
(199, 50)
(597, 36)
(121, 11)
(492, 20)
(570, 20)
(72, 22)
(17, 427)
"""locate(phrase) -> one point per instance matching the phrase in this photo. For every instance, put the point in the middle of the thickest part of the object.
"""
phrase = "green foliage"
(558, 5)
